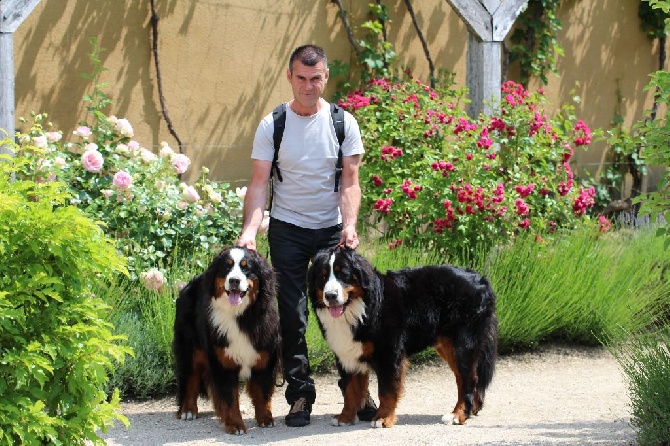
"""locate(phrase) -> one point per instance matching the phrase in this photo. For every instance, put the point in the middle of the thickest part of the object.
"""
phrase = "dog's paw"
(235, 429)
(339, 420)
(383, 422)
(188, 416)
(452, 418)
(266, 422)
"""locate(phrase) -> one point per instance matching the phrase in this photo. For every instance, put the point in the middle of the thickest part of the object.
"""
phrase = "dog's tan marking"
(367, 350)
(262, 405)
(219, 287)
(445, 348)
(354, 291)
(226, 360)
(189, 408)
(262, 362)
(230, 416)
(354, 394)
(252, 289)
(388, 402)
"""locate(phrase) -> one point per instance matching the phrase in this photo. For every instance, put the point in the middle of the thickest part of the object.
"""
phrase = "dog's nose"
(234, 282)
(331, 296)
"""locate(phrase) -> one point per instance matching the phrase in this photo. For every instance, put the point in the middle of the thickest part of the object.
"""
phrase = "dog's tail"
(488, 338)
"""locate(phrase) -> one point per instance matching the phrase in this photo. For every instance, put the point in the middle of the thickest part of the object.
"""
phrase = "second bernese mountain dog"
(374, 322)
(226, 329)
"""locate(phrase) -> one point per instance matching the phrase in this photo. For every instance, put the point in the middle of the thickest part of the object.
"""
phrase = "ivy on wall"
(534, 42)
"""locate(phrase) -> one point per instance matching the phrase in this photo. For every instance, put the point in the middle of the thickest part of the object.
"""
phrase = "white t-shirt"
(307, 159)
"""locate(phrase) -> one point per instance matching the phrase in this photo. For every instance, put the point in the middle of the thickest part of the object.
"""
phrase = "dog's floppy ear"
(319, 259)
(265, 273)
(364, 271)
(211, 283)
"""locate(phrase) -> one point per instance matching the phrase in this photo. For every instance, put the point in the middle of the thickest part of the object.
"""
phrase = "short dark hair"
(308, 55)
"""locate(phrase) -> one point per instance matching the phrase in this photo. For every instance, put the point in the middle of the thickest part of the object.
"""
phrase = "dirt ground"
(555, 396)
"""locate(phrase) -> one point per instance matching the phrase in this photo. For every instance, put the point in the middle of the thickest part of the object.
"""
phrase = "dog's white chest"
(340, 339)
(239, 347)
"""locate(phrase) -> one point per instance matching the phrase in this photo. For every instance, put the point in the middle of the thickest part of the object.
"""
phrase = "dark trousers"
(291, 249)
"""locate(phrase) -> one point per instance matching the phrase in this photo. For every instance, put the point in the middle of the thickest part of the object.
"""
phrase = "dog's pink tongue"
(235, 298)
(336, 310)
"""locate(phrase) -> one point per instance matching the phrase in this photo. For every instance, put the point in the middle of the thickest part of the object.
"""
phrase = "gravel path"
(555, 396)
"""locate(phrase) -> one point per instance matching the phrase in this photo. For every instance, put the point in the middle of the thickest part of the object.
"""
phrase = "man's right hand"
(247, 242)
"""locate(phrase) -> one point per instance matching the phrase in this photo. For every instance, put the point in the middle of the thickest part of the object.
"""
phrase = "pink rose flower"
(40, 141)
(190, 194)
(153, 279)
(180, 163)
(82, 131)
(53, 136)
(92, 161)
(122, 179)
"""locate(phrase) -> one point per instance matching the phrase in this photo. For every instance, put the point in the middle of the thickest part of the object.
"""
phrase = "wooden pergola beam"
(488, 22)
(12, 15)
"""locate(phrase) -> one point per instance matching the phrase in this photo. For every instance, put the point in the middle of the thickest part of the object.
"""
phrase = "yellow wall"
(223, 63)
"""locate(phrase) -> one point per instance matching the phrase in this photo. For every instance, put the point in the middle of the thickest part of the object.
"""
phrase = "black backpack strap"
(337, 114)
(279, 119)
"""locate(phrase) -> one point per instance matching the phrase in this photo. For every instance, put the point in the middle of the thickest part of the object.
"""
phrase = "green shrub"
(433, 176)
(645, 360)
(577, 288)
(56, 344)
(138, 194)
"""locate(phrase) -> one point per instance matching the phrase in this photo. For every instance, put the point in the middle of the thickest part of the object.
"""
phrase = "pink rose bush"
(136, 192)
(432, 175)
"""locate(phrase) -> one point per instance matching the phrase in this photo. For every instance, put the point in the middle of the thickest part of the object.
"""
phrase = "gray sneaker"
(298, 416)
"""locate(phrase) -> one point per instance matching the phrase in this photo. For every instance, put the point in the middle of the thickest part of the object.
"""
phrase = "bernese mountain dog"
(227, 329)
(374, 322)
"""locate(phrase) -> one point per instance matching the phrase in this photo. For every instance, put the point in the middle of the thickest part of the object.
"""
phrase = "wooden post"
(488, 23)
(12, 14)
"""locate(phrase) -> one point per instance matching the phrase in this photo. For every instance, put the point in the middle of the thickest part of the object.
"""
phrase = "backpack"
(279, 118)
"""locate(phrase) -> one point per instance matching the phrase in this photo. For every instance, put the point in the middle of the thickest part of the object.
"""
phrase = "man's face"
(307, 83)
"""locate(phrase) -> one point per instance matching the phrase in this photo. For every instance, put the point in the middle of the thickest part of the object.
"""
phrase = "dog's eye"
(243, 264)
(338, 268)
(229, 262)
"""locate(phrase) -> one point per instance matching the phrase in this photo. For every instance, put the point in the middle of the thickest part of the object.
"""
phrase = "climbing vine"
(534, 42)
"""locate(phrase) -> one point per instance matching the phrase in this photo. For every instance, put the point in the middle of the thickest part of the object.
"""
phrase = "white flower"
(54, 136)
(124, 128)
(60, 162)
(215, 197)
(165, 150)
(241, 192)
(146, 155)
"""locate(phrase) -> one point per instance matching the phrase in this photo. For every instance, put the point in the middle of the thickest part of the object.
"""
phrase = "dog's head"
(237, 275)
(339, 278)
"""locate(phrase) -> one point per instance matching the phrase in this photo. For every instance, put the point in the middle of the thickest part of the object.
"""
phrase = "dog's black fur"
(227, 328)
(375, 321)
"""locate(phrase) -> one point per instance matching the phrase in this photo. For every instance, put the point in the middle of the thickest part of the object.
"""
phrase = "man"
(307, 214)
